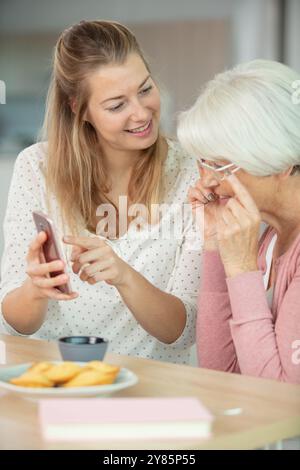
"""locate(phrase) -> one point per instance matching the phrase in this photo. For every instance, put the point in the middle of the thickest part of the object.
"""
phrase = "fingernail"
(211, 197)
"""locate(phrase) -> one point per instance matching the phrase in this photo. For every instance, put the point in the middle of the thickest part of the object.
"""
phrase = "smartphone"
(51, 248)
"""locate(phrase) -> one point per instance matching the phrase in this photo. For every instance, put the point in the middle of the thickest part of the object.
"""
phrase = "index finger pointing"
(84, 242)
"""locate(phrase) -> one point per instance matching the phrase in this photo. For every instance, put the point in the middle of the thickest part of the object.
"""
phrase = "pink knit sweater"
(237, 331)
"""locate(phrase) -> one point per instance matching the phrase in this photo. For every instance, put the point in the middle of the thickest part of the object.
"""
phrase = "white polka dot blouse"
(170, 261)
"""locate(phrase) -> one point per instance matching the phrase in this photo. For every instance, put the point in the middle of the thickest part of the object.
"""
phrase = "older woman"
(245, 130)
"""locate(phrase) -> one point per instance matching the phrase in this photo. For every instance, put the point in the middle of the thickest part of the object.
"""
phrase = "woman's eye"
(146, 90)
(117, 107)
(120, 105)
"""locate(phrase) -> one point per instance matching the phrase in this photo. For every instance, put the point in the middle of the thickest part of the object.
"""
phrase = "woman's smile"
(142, 131)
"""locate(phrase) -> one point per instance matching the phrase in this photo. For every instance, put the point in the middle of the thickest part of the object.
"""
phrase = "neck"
(119, 163)
(284, 217)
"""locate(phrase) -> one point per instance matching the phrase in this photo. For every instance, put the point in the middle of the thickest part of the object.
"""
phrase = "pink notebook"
(124, 419)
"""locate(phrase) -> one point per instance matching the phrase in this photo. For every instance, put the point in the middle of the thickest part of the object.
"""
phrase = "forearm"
(161, 314)
(214, 342)
(215, 346)
(264, 347)
(213, 274)
(23, 309)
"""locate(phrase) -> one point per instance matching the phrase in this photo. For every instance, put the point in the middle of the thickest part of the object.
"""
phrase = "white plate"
(125, 378)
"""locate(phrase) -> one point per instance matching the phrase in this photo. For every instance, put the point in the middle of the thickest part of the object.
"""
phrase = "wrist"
(210, 245)
(32, 291)
(126, 279)
(232, 271)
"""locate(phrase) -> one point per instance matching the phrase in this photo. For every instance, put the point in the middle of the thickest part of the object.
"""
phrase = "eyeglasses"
(220, 172)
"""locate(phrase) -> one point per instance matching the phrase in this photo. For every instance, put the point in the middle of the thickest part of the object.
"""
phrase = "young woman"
(245, 130)
(103, 148)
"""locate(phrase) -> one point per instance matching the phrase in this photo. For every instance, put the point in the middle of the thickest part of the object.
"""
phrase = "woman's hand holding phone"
(39, 272)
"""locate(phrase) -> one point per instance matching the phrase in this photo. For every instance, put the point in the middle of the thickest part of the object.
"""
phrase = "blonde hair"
(246, 115)
(74, 171)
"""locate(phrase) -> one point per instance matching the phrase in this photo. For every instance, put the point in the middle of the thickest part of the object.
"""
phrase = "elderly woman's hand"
(96, 261)
(238, 225)
(205, 206)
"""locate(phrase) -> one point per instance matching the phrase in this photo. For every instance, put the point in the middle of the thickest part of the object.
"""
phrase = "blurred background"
(186, 43)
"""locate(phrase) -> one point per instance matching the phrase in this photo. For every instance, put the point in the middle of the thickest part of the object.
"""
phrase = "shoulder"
(178, 159)
(34, 154)
(290, 259)
(32, 159)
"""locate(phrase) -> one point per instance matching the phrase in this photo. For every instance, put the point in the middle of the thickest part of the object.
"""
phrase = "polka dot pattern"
(170, 263)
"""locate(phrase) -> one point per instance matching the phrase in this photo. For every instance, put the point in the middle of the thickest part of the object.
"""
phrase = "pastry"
(90, 377)
(102, 367)
(61, 373)
(40, 367)
(32, 379)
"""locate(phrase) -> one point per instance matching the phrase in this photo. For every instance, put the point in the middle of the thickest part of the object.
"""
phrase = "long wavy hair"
(74, 171)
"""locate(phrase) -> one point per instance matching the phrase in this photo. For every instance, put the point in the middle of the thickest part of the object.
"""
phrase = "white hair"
(248, 116)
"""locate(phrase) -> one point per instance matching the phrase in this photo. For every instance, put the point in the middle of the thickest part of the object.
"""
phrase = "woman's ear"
(73, 106)
(286, 173)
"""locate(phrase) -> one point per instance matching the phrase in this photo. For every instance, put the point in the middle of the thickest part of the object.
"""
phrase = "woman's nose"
(139, 112)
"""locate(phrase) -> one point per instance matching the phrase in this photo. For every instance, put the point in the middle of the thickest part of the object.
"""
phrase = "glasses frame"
(225, 168)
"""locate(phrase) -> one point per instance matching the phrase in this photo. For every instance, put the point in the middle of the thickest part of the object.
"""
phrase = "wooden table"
(270, 410)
